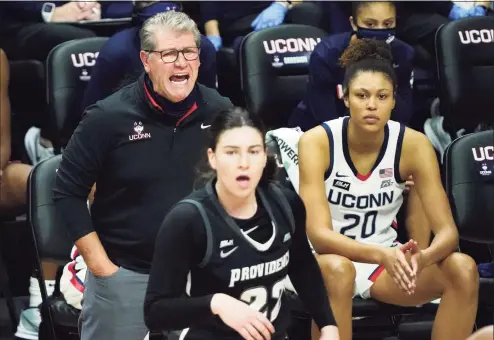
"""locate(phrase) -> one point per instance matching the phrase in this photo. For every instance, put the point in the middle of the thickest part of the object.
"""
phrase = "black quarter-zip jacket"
(142, 160)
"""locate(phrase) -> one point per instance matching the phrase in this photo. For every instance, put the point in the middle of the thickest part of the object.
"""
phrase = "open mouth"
(243, 181)
(179, 78)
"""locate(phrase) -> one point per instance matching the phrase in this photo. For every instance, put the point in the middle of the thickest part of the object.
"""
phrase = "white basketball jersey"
(364, 207)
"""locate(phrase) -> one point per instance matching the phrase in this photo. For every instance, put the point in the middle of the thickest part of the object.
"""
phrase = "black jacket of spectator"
(143, 158)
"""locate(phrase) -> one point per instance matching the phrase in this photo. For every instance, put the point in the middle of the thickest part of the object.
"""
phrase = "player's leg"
(13, 186)
(485, 333)
(339, 277)
(455, 280)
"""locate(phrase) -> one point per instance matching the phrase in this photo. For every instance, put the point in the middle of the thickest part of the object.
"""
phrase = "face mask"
(378, 34)
(158, 7)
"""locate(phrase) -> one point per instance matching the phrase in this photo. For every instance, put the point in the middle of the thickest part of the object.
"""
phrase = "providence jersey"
(364, 207)
(238, 265)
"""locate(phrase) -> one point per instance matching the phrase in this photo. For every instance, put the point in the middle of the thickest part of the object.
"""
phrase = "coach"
(140, 146)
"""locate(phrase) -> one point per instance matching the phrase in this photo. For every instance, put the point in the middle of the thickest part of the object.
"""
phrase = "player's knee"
(339, 274)
(461, 272)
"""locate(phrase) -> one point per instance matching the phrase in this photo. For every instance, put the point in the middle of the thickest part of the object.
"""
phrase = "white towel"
(287, 141)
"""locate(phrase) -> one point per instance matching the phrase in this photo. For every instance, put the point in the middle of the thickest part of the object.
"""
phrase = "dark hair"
(367, 55)
(357, 5)
(230, 119)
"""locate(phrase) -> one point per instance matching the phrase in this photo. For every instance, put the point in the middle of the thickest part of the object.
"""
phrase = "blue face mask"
(158, 7)
(378, 34)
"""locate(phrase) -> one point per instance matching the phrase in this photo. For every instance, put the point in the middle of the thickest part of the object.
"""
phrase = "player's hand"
(246, 321)
(330, 333)
(409, 184)
(397, 266)
(415, 258)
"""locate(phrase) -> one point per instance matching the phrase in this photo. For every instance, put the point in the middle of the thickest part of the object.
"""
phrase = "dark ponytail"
(235, 117)
(367, 55)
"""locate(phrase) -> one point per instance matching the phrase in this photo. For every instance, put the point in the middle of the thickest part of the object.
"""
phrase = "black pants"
(36, 40)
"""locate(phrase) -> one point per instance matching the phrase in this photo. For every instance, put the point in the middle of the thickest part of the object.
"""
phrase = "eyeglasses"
(170, 56)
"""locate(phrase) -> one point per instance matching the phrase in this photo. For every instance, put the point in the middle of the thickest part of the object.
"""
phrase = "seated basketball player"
(239, 237)
(352, 172)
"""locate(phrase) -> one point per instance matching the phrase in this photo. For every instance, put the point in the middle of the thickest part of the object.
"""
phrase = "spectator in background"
(140, 146)
(119, 63)
(226, 22)
(323, 99)
(31, 29)
(28, 31)
(420, 20)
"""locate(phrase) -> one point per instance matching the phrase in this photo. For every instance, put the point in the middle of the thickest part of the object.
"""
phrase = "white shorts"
(365, 278)
(366, 275)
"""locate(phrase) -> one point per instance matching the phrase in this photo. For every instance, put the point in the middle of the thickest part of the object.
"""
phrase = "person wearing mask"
(265, 225)
(352, 172)
(323, 97)
(119, 63)
(226, 22)
(140, 147)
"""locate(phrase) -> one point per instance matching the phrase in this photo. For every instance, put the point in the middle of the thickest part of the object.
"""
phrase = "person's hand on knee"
(397, 266)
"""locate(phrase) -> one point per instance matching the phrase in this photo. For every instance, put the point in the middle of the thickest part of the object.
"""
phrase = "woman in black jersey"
(223, 254)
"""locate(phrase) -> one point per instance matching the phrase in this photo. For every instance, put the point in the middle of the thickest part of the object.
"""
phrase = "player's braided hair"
(367, 55)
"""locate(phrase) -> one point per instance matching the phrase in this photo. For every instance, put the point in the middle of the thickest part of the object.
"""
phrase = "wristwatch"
(47, 11)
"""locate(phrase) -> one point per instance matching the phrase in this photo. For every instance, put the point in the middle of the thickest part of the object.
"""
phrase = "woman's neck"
(175, 110)
(363, 141)
(236, 207)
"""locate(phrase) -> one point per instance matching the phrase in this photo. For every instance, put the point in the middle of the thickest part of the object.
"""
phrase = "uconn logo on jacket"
(476, 36)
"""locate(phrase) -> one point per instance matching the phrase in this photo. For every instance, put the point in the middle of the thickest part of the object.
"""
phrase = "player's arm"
(304, 271)
(419, 160)
(4, 111)
(313, 162)
(178, 248)
(417, 224)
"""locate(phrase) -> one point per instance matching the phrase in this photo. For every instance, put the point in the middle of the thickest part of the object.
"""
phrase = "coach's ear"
(345, 100)
(212, 159)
